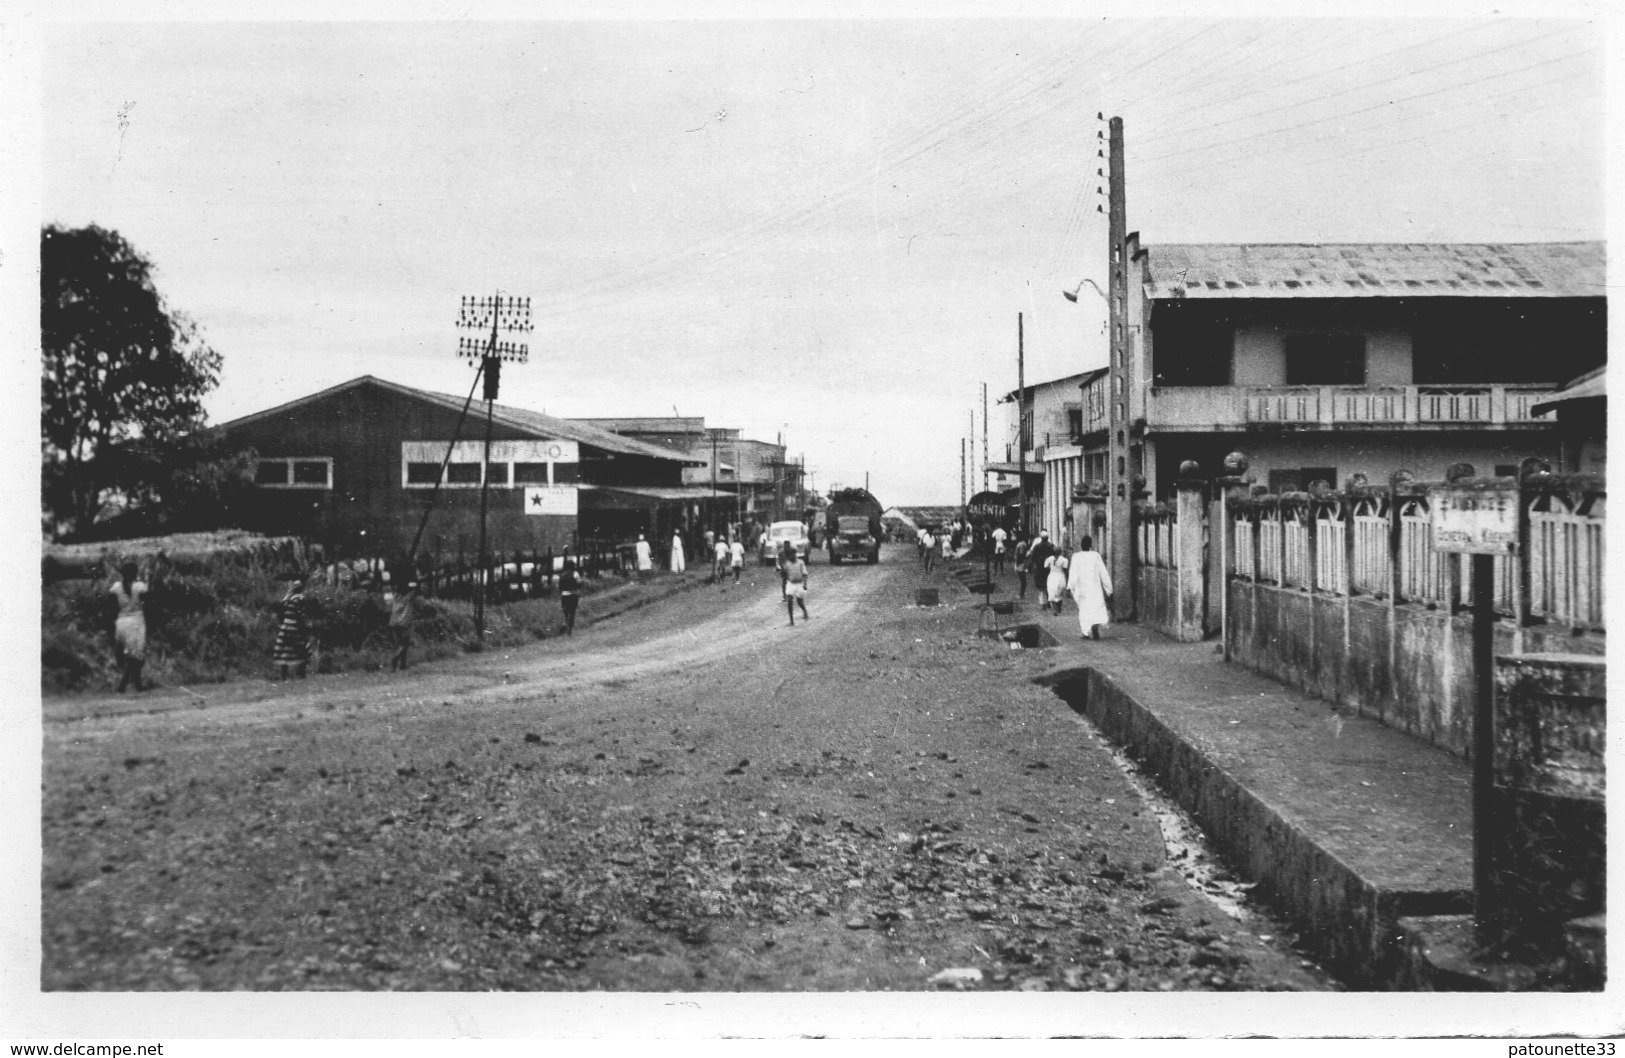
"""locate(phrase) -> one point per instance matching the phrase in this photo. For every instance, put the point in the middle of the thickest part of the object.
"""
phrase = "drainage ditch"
(1187, 846)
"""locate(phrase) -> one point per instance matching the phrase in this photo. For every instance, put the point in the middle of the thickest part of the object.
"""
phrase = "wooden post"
(1485, 829)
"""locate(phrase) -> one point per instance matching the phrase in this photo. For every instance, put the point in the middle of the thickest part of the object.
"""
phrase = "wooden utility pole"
(503, 313)
(1120, 500)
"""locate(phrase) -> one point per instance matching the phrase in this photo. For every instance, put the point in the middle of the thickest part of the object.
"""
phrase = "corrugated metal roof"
(544, 426)
(1356, 270)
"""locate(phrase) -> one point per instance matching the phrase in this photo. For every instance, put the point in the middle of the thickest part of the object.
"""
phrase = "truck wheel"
(874, 556)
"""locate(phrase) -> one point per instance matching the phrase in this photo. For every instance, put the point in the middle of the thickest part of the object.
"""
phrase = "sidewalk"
(1345, 824)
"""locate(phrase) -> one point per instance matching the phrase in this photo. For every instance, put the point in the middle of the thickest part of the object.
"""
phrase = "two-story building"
(753, 471)
(1062, 426)
(1326, 361)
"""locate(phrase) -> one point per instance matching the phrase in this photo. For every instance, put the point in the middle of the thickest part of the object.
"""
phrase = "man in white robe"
(678, 559)
(645, 555)
(1091, 587)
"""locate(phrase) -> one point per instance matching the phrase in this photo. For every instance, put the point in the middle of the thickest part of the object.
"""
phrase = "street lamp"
(1072, 295)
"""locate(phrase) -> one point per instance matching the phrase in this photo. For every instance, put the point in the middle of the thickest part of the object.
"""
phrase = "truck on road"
(852, 526)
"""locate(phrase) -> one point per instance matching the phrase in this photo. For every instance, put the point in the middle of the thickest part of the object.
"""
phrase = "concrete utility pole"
(1021, 421)
(984, 437)
(1119, 502)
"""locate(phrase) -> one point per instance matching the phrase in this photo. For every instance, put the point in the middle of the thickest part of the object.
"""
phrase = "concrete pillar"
(1190, 605)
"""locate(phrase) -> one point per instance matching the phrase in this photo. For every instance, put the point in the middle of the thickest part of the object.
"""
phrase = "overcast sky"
(821, 228)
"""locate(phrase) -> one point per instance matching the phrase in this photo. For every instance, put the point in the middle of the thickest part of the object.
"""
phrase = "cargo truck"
(852, 526)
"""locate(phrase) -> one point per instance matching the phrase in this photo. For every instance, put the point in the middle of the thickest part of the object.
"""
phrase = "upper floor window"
(294, 472)
(1330, 359)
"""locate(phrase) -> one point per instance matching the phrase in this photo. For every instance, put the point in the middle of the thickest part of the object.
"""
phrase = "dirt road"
(689, 796)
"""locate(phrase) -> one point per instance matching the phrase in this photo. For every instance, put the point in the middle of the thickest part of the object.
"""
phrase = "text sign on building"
(550, 499)
(1475, 521)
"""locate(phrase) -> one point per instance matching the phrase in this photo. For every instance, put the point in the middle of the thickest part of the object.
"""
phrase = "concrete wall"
(1260, 357)
(1388, 358)
(1406, 665)
(1548, 862)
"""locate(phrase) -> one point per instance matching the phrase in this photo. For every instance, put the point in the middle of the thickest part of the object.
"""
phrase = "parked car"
(777, 534)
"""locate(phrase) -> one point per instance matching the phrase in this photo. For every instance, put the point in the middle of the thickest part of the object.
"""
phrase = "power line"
(1355, 88)
(1361, 110)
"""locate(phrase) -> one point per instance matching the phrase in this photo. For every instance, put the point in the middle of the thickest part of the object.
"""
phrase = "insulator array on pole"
(504, 312)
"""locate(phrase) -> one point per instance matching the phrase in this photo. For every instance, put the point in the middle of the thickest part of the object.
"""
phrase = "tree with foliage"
(123, 377)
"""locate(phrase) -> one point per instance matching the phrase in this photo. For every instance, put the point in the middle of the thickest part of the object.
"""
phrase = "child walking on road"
(795, 588)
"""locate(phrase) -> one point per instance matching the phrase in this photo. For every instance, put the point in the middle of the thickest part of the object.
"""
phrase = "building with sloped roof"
(1325, 361)
(370, 466)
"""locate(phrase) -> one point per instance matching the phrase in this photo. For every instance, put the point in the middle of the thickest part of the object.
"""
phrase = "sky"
(821, 229)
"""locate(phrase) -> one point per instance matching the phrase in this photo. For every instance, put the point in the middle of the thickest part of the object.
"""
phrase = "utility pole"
(1119, 502)
(962, 442)
(501, 313)
(1021, 420)
(984, 437)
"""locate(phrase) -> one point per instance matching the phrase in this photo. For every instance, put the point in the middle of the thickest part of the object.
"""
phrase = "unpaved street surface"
(688, 796)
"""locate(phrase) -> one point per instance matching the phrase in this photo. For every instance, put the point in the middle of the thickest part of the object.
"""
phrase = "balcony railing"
(1172, 407)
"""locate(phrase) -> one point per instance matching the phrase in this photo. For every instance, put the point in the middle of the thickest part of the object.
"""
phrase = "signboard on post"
(1475, 520)
(551, 499)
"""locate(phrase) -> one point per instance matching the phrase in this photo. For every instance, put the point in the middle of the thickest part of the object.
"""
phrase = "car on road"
(777, 534)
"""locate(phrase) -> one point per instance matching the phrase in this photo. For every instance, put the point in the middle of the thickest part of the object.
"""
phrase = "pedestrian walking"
(949, 545)
(1056, 586)
(129, 626)
(719, 560)
(928, 548)
(999, 538)
(1038, 565)
(736, 557)
(569, 595)
(678, 562)
(403, 619)
(291, 651)
(795, 588)
(787, 555)
(1091, 588)
(646, 559)
(922, 537)
(1019, 559)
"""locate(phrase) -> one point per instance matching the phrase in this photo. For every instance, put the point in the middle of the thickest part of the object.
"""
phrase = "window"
(310, 472)
(1074, 424)
(462, 473)
(294, 472)
(1325, 359)
(422, 473)
(271, 472)
(530, 473)
(496, 473)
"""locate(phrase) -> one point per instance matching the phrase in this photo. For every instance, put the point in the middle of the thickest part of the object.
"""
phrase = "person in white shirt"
(999, 537)
(1091, 588)
(736, 557)
(646, 559)
(678, 561)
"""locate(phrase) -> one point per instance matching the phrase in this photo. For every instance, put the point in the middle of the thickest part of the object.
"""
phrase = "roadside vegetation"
(213, 606)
